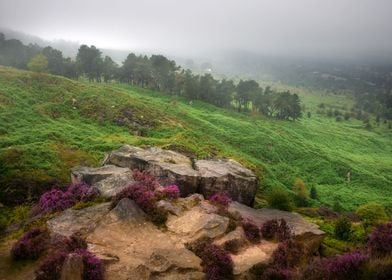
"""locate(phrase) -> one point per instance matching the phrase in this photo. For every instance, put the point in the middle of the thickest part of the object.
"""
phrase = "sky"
(333, 27)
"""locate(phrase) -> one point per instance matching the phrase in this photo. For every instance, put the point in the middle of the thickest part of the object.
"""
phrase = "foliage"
(372, 214)
(31, 245)
(233, 245)
(220, 199)
(380, 240)
(274, 273)
(50, 268)
(343, 228)
(301, 192)
(93, 267)
(252, 231)
(288, 254)
(217, 263)
(279, 199)
(313, 193)
(171, 192)
(146, 179)
(38, 63)
(347, 266)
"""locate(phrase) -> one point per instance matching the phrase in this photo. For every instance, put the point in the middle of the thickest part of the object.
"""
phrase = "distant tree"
(245, 93)
(108, 69)
(38, 63)
(313, 193)
(279, 199)
(301, 192)
(56, 61)
(90, 62)
(347, 116)
(309, 115)
(372, 214)
(224, 93)
(207, 88)
(337, 207)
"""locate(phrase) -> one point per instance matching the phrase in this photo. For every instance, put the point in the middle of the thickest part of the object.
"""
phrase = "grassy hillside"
(49, 124)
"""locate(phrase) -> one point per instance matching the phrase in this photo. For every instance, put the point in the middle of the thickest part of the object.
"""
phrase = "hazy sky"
(192, 26)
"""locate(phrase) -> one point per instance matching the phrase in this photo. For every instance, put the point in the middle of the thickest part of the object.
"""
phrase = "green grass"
(42, 136)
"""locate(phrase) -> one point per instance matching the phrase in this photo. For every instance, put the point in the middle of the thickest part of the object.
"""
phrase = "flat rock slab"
(83, 221)
(227, 176)
(168, 166)
(196, 223)
(92, 175)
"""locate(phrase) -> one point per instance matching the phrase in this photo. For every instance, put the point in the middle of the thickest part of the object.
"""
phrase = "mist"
(333, 28)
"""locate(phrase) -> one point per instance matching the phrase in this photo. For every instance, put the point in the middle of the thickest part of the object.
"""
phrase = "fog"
(297, 27)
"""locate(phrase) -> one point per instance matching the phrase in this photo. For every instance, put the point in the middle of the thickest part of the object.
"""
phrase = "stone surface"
(83, 221)
(92, 175)
(114, 184)
(227, 176)
(72, 268)
(196, 223)
(168, 166)
(302, 229)
(136, 249)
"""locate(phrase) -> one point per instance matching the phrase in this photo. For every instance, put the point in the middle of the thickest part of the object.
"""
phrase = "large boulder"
(310, 234)
(92, 175)
(168, 166)
(83, 221)
(227, 176)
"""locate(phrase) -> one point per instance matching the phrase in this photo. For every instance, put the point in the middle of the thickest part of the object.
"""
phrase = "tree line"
(155, 72)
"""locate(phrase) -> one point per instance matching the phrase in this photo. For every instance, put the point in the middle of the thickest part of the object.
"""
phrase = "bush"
(220, 199)
(50, 269)
(347, 266)
(93, 267)
(146, 179)
(343, 228)
(313, 193)
(288, 254)
(142, 196)
(372, 214)
(301, 192)
(75, 242)
(171, 192)
(81, 192)
(380, 240)
(31, 245)
(217, 263)
(252, 231)
(234, 245)
(274, 229)
(274, 273)
(279, 199)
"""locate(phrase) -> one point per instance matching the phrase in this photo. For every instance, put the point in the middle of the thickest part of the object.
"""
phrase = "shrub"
(93, 267)
(81, 192)
(146, 179)
(197, 246)
(342, 228)
(142, 196)
(347, 266)
(288, 254)
(372, 214)
(274, 273)
(380, 240)
(279, 199)
(252, 231)
(31, 245)
(337, 206)
(380, 269)
(171, 192)
(75, 242)
(220, 199)
(274, 229)
(217, 263)
(53, 201)
(50, 269)
(313, 193)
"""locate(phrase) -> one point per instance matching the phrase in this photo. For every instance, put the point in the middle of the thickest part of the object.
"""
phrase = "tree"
(90, 62)
(301, 192)
(279, 199)
(313, 193)
(108, 69)
(38, 63)
(372, 214)
(56, 62)
(342, 228)
(245, 92)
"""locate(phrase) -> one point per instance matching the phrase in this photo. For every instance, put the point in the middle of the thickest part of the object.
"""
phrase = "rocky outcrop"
(168, 166)
(227, 176)
(72, 268)
(203, 176)
(82, 221)
(304, 231)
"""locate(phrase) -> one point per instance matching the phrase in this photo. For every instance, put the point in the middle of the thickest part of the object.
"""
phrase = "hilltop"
(50, 124)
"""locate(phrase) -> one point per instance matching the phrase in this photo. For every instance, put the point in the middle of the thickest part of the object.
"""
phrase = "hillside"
(49, 124)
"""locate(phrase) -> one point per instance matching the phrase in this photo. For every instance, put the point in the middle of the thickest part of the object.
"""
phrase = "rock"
(168, 166)
(126, 210)
(114, 184)
(304, 231)
(253, 255)
(162, 260)
(92, 175)
(195, 223)
(72, 268)
(169, 207)
(83, 221)
(227, 176)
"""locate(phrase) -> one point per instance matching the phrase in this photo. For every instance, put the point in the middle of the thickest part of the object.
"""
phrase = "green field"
(43, 133)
